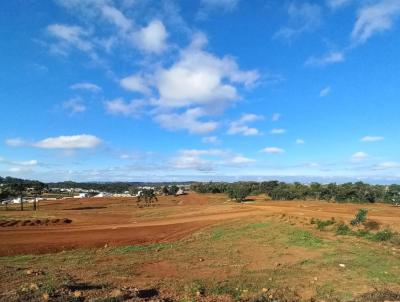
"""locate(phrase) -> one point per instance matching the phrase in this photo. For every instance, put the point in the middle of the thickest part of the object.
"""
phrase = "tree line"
(14, 187)
(358, 192)
(111, 187)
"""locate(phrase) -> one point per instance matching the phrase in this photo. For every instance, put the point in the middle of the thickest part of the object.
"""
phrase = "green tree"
(173, 189)
(148, 196)
(238, 192)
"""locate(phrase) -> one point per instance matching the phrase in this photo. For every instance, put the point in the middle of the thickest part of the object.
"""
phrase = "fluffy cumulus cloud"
(375, 17)
(200, 78)
(82, 141)
(152, 38)
(240, 126)
(195, 87)
(191, 120)
(136, 83)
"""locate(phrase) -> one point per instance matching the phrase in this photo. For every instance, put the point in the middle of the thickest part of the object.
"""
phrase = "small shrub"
(342, 229)
(384, 235)
(322, 224)
(360, 217)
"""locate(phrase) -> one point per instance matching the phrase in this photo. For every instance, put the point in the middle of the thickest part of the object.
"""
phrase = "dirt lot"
(117, 221)
(196, 247)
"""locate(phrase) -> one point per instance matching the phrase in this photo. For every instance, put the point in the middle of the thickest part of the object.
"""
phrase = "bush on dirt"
(342, 229)
(322, 224)
(384, 235)
(361, 216)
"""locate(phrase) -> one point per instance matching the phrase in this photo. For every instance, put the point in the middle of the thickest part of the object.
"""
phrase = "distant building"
(181, 191)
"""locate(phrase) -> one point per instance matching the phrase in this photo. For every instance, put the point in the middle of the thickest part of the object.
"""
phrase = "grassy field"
(277, 258)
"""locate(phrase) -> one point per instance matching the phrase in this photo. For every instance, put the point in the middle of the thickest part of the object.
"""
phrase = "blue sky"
(146, 90)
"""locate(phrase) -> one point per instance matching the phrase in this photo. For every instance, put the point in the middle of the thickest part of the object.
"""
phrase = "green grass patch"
(377, 265)
(142, 248)
(304, 238)
(220, 233)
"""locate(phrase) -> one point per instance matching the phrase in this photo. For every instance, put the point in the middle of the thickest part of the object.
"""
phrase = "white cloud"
(369, 139)
(191, 162)
(189, 120)
(273, 150)
(303, 17)
(75, 105)
(86, 86)
(69, 36)
(359, 156)
(387, 165)
(327, 59)
(241, 160)
(210, 140)
(15, 142)
(82, 141)
(240, 127)
(208, 160)
(277, 131)
(32, 162)
(120, 107)
(194, 87)
(325, 92)
(276, 117)
(135, 83)
(191, 159)
(116, 17)
(375, 17)
(249, 117)
(200, 78)
(152, 38)
(300, 141)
